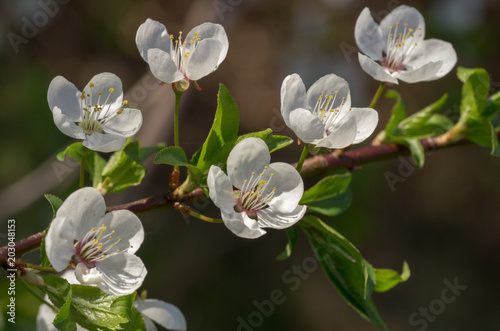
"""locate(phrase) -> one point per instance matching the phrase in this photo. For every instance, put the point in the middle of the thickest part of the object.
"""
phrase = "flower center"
(399, 46)
(96, 246)
(180, 50)
(326, 112)
(95, 115)
(255, 194)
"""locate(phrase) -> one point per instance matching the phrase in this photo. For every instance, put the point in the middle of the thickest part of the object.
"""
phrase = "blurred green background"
(443, 219)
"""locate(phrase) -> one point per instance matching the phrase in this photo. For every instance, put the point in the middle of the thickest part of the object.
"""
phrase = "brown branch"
(313, 166)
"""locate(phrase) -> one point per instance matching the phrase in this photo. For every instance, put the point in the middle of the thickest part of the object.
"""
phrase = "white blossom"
(323, 116)
(267, 196)
(101, 247)
(96, 115)
(189, 57)
(396, 48)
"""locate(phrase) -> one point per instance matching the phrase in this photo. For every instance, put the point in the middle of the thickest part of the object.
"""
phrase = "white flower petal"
(121, 273)
(402, 15)
(366, 122)
(64, 95)
(103, 82)
(306, 126)
(125, 124)
(375, 70)
(433, 50)
(342, 133)
(104, 142)
(203, 60)
(87, 276)
(163, 313)
(59, 243)
(163, 67)
(250, 155)
(213, 31)
(424, 73)
(152, 34)
(221, 189)
(289, 187)
(67, 126)
(242, 225)
(127, 227)
(329, 84)
(148, 323)
(83, 209)
(293, 96)
(271, 218)
(368, 35)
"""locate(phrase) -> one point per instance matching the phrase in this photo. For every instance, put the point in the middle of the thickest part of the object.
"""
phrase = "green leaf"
(417, 151)
(55, 203)
(387, 278)
(95, 310)
(492, 106)
(344, 267)
(276, 142)
(94, 163)
(479, 131)
(398, 111)
(474, 91)
(64, 321)
(291, 234)
(175, 156)
(413, 124)
(223, 133)
(120, 172)
(58, 290)
(138, 154)
(137, 322)
(332, 206)
(327, 187)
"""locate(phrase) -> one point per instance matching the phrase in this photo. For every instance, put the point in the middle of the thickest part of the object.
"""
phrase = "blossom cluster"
(99, 247)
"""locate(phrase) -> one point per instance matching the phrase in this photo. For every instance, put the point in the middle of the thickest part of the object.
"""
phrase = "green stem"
(205, 218)
(176, 117)
(38, 296)
(303, 157)
(39, 267)
(82, 168)
(377, 95)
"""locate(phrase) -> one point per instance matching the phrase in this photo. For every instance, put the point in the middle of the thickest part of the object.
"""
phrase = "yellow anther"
(120, 111)
(125, 102)
(102, 256)
(274, 189)
(187, 54)
(111, 90)
(180, 33)
(91, 84)
(110, 237)
(120, 239)
(253, 173)
(117, 250)
(246, 180)
(172, 36)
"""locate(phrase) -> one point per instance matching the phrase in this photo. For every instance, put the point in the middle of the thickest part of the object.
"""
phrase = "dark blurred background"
(442, 219)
